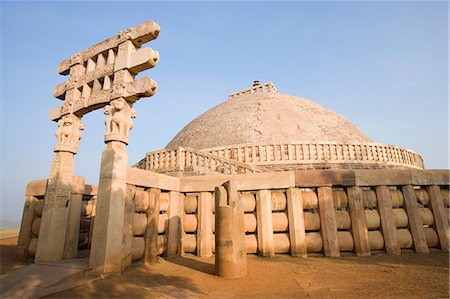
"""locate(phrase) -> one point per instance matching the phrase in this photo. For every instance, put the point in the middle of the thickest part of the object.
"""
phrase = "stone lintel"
(139, 35)
(254, 181)
(317, 178)
(131, 92)
(150, 179)
(138, 61)
(388, 177)
(430, 177)
(379, 177)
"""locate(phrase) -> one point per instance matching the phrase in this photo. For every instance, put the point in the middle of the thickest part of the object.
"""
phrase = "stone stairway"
(192, 162)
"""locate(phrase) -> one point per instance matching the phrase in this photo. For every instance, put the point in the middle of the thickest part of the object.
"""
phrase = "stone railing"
(190, 160)
(302, 213)
(82, 202)
(320, 153)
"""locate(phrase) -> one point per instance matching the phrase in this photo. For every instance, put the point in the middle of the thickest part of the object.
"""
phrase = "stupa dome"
(265, 116)
(259, 129)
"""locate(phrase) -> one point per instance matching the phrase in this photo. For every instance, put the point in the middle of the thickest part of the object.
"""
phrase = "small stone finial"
(257, 87)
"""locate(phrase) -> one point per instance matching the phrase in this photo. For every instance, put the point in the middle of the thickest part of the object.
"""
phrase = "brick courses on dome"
(259, 129)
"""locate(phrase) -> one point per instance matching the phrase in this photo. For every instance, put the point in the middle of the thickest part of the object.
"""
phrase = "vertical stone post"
(108, 229)
(414, 220)
(264, 228)
(388, 226)
(107, 236)
(151, 234)
(297, 233)
(106, 249)
(25, 226)
(231, 256)
(204, 228)
(73, 222)
(440, 220)
(180, 159)
(328, 227)
(128, 227)
(358, 218)
(52, 234)
(34, 188)
(175, 228)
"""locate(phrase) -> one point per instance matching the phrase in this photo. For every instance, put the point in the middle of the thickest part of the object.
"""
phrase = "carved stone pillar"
(52, 233)
(231, 256)
(107, 237)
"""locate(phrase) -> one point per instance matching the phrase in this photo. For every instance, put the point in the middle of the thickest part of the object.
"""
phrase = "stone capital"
(118, 121)
(68, 134)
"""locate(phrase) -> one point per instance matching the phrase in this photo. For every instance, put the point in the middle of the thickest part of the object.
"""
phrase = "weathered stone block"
(318, 178)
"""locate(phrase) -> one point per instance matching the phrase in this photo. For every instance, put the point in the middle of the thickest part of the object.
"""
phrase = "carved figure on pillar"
(118, 122)
(68, 134)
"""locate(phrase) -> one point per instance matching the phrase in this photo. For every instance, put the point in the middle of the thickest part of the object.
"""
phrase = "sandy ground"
(8, 261)
(381, 276)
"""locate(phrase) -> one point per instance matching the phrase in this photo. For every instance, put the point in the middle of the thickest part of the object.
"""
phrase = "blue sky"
(382, 65)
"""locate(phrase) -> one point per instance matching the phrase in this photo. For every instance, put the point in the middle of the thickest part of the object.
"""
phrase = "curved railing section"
(326, 153)
(268, 157)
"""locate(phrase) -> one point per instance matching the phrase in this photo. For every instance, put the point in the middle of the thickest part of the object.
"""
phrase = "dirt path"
(8, 261)
(407, 276)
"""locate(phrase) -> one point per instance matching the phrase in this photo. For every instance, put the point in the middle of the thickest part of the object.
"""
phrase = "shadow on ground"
(8, 261)
(193, 264)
